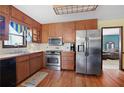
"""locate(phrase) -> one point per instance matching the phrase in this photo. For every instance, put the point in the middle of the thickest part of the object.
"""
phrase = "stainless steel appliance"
(88, 52)
(53, 59)
(55, 41)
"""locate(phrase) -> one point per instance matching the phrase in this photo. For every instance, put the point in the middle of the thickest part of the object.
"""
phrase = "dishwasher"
(8, 72)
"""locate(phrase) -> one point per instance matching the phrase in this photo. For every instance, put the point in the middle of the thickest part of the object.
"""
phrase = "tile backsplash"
(34, 47)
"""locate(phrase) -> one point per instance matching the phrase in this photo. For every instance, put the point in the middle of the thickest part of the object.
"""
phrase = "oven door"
(53, 60)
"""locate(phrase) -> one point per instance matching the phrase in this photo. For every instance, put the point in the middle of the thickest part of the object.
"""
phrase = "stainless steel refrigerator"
(88, 52)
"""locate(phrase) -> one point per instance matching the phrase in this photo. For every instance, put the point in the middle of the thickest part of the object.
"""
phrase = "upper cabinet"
(36, 32)
(86, 24)
(28, 20)
(45, 31)
(55, 30)
(32, 24)
(69, 32)
(16, 14)
(4, 23)
(5, 9)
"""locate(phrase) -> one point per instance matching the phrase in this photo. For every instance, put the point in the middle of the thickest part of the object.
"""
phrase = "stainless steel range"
(53, 59)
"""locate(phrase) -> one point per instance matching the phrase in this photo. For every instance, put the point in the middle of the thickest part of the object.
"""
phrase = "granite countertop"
(6, 56)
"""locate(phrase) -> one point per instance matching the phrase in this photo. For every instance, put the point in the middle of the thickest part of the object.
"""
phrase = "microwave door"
(55, 41)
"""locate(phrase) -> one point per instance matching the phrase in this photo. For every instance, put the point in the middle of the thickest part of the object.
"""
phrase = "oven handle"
(53, 56)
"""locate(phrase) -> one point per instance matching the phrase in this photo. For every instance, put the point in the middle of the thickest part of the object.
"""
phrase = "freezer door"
(80, 52)
(94, 52)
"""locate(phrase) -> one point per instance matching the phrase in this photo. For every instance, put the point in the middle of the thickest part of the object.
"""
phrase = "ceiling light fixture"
(70, 9)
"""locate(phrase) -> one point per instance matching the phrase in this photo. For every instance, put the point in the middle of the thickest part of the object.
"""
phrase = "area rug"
(34, 80)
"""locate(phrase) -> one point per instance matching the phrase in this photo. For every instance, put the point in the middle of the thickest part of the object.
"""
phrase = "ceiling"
(45, 13)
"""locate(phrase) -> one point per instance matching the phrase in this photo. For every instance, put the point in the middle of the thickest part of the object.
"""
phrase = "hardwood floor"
(109, 78)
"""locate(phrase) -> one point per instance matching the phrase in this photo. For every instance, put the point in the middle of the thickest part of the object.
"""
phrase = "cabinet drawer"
(68, 58)
(35, 55)
(68, 65)
(22, 58)
(68, 54)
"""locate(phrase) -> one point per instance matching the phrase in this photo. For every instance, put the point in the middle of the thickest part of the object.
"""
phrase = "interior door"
(94, 52)
(80, 52)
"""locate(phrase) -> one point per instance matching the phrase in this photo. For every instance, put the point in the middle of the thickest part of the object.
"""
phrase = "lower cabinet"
(22, 68)
(27, 65)
(35, 62)
(68, 60)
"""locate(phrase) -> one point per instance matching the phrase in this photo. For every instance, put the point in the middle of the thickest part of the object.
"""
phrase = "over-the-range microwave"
(55, 41)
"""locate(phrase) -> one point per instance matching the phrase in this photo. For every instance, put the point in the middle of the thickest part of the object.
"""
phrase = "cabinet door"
(5, 9)
(33, 65)
(86, 24)
(4, 26)
(34, 34)
(35, 62)
(55, 30)
(52, 32)
(59, 29)
(45, 30)
(68, 60)
(16, 14)
(22, 70)
(69, 32)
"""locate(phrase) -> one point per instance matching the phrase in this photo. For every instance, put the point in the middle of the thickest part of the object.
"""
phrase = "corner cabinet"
(4, 26)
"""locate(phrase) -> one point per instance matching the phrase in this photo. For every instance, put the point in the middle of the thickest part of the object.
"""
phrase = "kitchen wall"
(110, 23)
(34, 47)
(111, 38)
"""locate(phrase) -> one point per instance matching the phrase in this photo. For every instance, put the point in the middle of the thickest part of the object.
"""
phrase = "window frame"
(24, 41)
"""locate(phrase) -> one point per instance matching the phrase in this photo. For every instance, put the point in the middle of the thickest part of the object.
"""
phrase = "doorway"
(112, 47)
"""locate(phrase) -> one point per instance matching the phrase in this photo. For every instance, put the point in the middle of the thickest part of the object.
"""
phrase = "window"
(17, 36)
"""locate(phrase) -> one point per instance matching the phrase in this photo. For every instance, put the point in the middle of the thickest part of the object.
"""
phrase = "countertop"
(12, 55)
(6, 56)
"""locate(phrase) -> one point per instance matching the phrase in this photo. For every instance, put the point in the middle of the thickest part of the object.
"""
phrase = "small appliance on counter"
(69, 47)
(72, 46)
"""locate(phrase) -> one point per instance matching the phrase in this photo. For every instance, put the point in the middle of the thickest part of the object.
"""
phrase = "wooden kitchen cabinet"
(55, 30)
(69, 33)
(17, 14)
(35, 62)
(28, 20)
(4, 30)
(68, 60)
(36, 32)
(86, 24)
(51, 32)
(59, 29)
(45, 31)
(5, 9)
(22, 68)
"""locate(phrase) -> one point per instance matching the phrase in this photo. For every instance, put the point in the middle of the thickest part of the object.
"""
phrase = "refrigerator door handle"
(87, 46)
